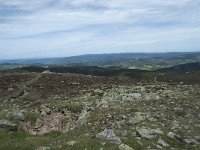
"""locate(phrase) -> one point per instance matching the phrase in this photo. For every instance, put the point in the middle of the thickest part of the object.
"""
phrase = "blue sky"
(57, 28)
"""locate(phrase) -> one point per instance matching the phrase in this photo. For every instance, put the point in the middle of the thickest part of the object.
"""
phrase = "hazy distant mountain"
(148, 61)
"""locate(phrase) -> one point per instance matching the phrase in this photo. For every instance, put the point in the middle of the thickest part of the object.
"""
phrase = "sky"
(62, 28)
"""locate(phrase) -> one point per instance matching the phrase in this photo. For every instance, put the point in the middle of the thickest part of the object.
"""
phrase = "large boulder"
(9, 126)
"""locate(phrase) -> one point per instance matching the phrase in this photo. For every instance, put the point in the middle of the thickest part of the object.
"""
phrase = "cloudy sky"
(54, 28)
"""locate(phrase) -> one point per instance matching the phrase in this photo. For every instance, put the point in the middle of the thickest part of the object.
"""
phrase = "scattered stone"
(43, 148)
(163, 143)
(71, 143)
(174, 136)
(45, 111)
(140, 143)
(138, 117)
(175, 125)
(99, 92)
(38, 123)
(134, 134)
(152, 96)
(25, 126)
(136, 96)
(18, 115)
(9, 126)
(119, 124)
(122, 133)
(10, 89)
(197, 138)
(149, 133)
(82, 119)
(109, 135)
(125, 147)
(191, 141)
(158, 146)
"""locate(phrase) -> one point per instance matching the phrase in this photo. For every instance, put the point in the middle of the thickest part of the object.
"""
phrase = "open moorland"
(70, 111)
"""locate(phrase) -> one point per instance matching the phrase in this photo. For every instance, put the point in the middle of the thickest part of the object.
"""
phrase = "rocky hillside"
(42, 111)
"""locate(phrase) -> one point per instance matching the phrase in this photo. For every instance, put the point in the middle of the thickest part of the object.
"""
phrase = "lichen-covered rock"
(9, 126)
(82, 119)
(174, 136)
(38, 123)
(71, 143)
(138, 117)
(109, 135)
(191, 141)
(18, 115)
(43, 148)
(125, 147)
(163, 143)
(149, 133)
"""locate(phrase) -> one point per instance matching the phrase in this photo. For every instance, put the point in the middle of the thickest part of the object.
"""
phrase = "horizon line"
(57, 57)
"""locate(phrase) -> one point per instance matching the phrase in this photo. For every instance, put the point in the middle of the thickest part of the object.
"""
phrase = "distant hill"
(187, 73)
(134, 74)
(147, 61)
(189, 67)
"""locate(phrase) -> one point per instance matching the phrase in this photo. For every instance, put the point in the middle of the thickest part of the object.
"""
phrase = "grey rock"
(175, 125)
(174, 136)
(152, 96)
(138, 117)
(149, 133)
(119, 124)
(158, 146)
(82, 119)
(46, 110)
(125, 147)
(9, 126)
(134, 134)
(197, 138)
(191, 141)
(109, 135)
(136, 96)
(38, 123)
(99, 91)
(122, 133)
(18, 115)
(10, 89)
(43, 148)
(163, 143)
(71, 143)
(43, 113)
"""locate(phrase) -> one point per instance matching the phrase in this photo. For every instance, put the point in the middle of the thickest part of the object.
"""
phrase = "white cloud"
(92, 26)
